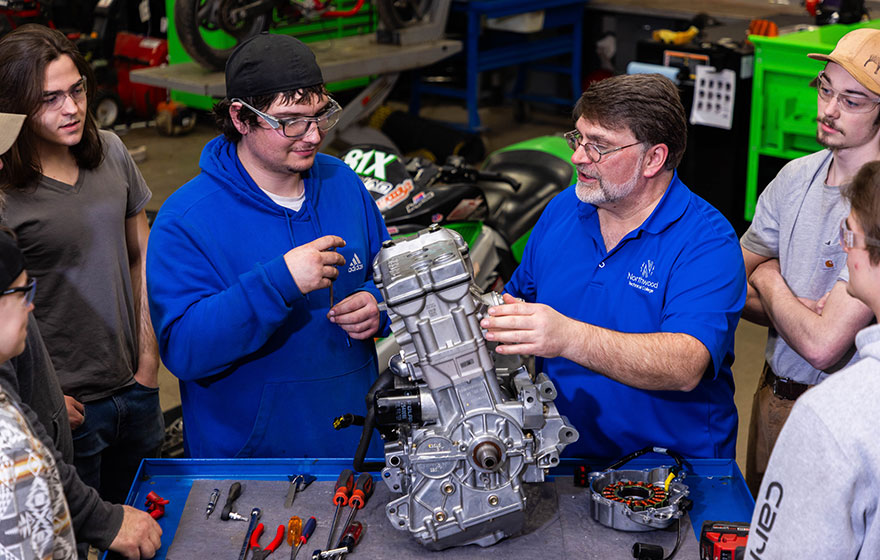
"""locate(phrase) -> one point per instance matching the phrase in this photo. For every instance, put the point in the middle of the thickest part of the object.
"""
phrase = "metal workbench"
(478, 58)
(558, 522)
(340, 59)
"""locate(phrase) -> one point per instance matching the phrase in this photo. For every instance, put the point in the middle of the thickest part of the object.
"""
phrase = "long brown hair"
(24, 55)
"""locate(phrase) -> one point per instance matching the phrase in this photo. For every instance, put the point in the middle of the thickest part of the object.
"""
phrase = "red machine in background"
(117, 95)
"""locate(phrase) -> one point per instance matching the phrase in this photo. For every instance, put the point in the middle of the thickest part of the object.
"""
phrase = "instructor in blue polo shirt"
(631, 286)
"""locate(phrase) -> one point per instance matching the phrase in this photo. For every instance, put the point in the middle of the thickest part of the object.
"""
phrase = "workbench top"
(558, 513)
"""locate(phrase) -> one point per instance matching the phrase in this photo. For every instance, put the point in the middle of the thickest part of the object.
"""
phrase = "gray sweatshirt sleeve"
(811, 495)
(94, 520)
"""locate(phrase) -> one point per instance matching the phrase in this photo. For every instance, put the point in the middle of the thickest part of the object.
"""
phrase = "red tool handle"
(343, 487)
(255, 536)
(279, 536)
(308, 530)
(352, 535)
(362, 491)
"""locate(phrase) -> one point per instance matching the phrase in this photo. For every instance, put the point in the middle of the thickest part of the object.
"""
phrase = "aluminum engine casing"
(476, 424)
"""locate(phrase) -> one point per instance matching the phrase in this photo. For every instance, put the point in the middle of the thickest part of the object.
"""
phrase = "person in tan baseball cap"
(797, 270)
(10, 126)
(858, 52)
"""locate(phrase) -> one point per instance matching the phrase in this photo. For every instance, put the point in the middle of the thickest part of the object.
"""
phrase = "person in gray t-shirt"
(820, 496)
(75, 199)
(797, 277)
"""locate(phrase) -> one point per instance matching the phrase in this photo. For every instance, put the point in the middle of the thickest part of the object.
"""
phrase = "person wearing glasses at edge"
(829, 442)
(52, 504)
(797, 272)
(75, 199)
(241, 263)
(631, 286)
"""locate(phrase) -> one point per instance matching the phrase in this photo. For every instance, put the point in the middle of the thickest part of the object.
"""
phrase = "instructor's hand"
(358, 315)
(526, 328)
(313, 265)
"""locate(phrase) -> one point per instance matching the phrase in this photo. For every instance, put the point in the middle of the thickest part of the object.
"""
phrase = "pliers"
(262, 553)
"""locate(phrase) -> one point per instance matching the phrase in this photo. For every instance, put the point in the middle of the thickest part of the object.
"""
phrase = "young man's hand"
(313, 265)
(358, 315)
(139, 536)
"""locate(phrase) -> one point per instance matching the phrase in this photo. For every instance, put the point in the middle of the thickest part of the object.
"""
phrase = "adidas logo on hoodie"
(355, 264)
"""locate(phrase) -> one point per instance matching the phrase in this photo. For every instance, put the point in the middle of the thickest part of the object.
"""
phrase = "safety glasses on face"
(54, 100)
(297, 127)
(846, 101)
(575, 141)
(852, 240)
(30, 290)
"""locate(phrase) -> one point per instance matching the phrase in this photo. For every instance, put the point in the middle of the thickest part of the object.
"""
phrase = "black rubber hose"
(385, 380)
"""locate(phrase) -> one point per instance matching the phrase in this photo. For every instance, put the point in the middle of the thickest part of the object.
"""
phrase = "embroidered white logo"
(642, 282)
(355, 264)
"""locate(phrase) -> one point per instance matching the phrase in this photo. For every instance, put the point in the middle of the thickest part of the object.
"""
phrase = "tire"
(191, 26)
(107, 108)
(397, 14)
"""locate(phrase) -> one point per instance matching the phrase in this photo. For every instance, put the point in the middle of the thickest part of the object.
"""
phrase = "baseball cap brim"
(857, 52)
(851, 68)
(10, 126)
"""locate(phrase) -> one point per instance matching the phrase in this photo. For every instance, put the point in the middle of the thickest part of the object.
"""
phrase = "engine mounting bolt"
(440, 517)
(493, 500)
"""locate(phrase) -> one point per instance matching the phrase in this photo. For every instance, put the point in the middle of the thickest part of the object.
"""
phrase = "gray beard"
(602, 194)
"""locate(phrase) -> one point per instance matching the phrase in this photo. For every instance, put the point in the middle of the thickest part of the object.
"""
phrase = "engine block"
(468, 426)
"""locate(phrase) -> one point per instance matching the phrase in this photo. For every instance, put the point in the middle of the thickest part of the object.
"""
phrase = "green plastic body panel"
(553, 145)
(327, 28)
(783, 119)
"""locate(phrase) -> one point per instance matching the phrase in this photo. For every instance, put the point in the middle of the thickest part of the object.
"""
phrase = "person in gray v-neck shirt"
(75, 199)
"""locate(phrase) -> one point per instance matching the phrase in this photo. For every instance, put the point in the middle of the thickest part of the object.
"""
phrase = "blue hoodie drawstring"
(316, 226)
(292, 236)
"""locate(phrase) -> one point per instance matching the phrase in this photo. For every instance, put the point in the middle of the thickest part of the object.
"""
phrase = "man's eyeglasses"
(30, 290)
(852, 240)
(847, 102)
(54, 100)
(297, 127)
(575, 141)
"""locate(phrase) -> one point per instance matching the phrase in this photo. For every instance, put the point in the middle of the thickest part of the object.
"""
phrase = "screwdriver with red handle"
(363, 489)
(304, 536)
(341, 493)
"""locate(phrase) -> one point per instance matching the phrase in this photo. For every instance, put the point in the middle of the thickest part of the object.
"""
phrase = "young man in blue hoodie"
(242, 260)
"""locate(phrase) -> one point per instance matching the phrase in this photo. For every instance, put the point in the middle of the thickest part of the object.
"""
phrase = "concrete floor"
(171, 161)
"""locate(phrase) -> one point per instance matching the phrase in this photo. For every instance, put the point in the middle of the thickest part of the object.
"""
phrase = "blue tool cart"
(532, 47)
(558, 522)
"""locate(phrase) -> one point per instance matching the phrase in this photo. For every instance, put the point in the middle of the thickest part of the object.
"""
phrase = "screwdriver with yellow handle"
(301, 537)
(294, 531)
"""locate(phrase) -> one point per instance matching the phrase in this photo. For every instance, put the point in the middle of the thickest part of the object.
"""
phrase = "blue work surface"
(716, 487)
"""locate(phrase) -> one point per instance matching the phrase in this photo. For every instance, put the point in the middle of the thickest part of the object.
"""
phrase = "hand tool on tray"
(304, 537)
(261, 553)
(341, 493)
(298, 483)
(212, 503)
(255, 517)
(363, 489)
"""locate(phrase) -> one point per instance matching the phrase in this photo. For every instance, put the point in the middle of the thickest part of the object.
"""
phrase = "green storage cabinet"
(783, 122)
(328, 28)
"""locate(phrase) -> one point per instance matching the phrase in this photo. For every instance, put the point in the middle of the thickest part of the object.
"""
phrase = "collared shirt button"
(602, 264)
